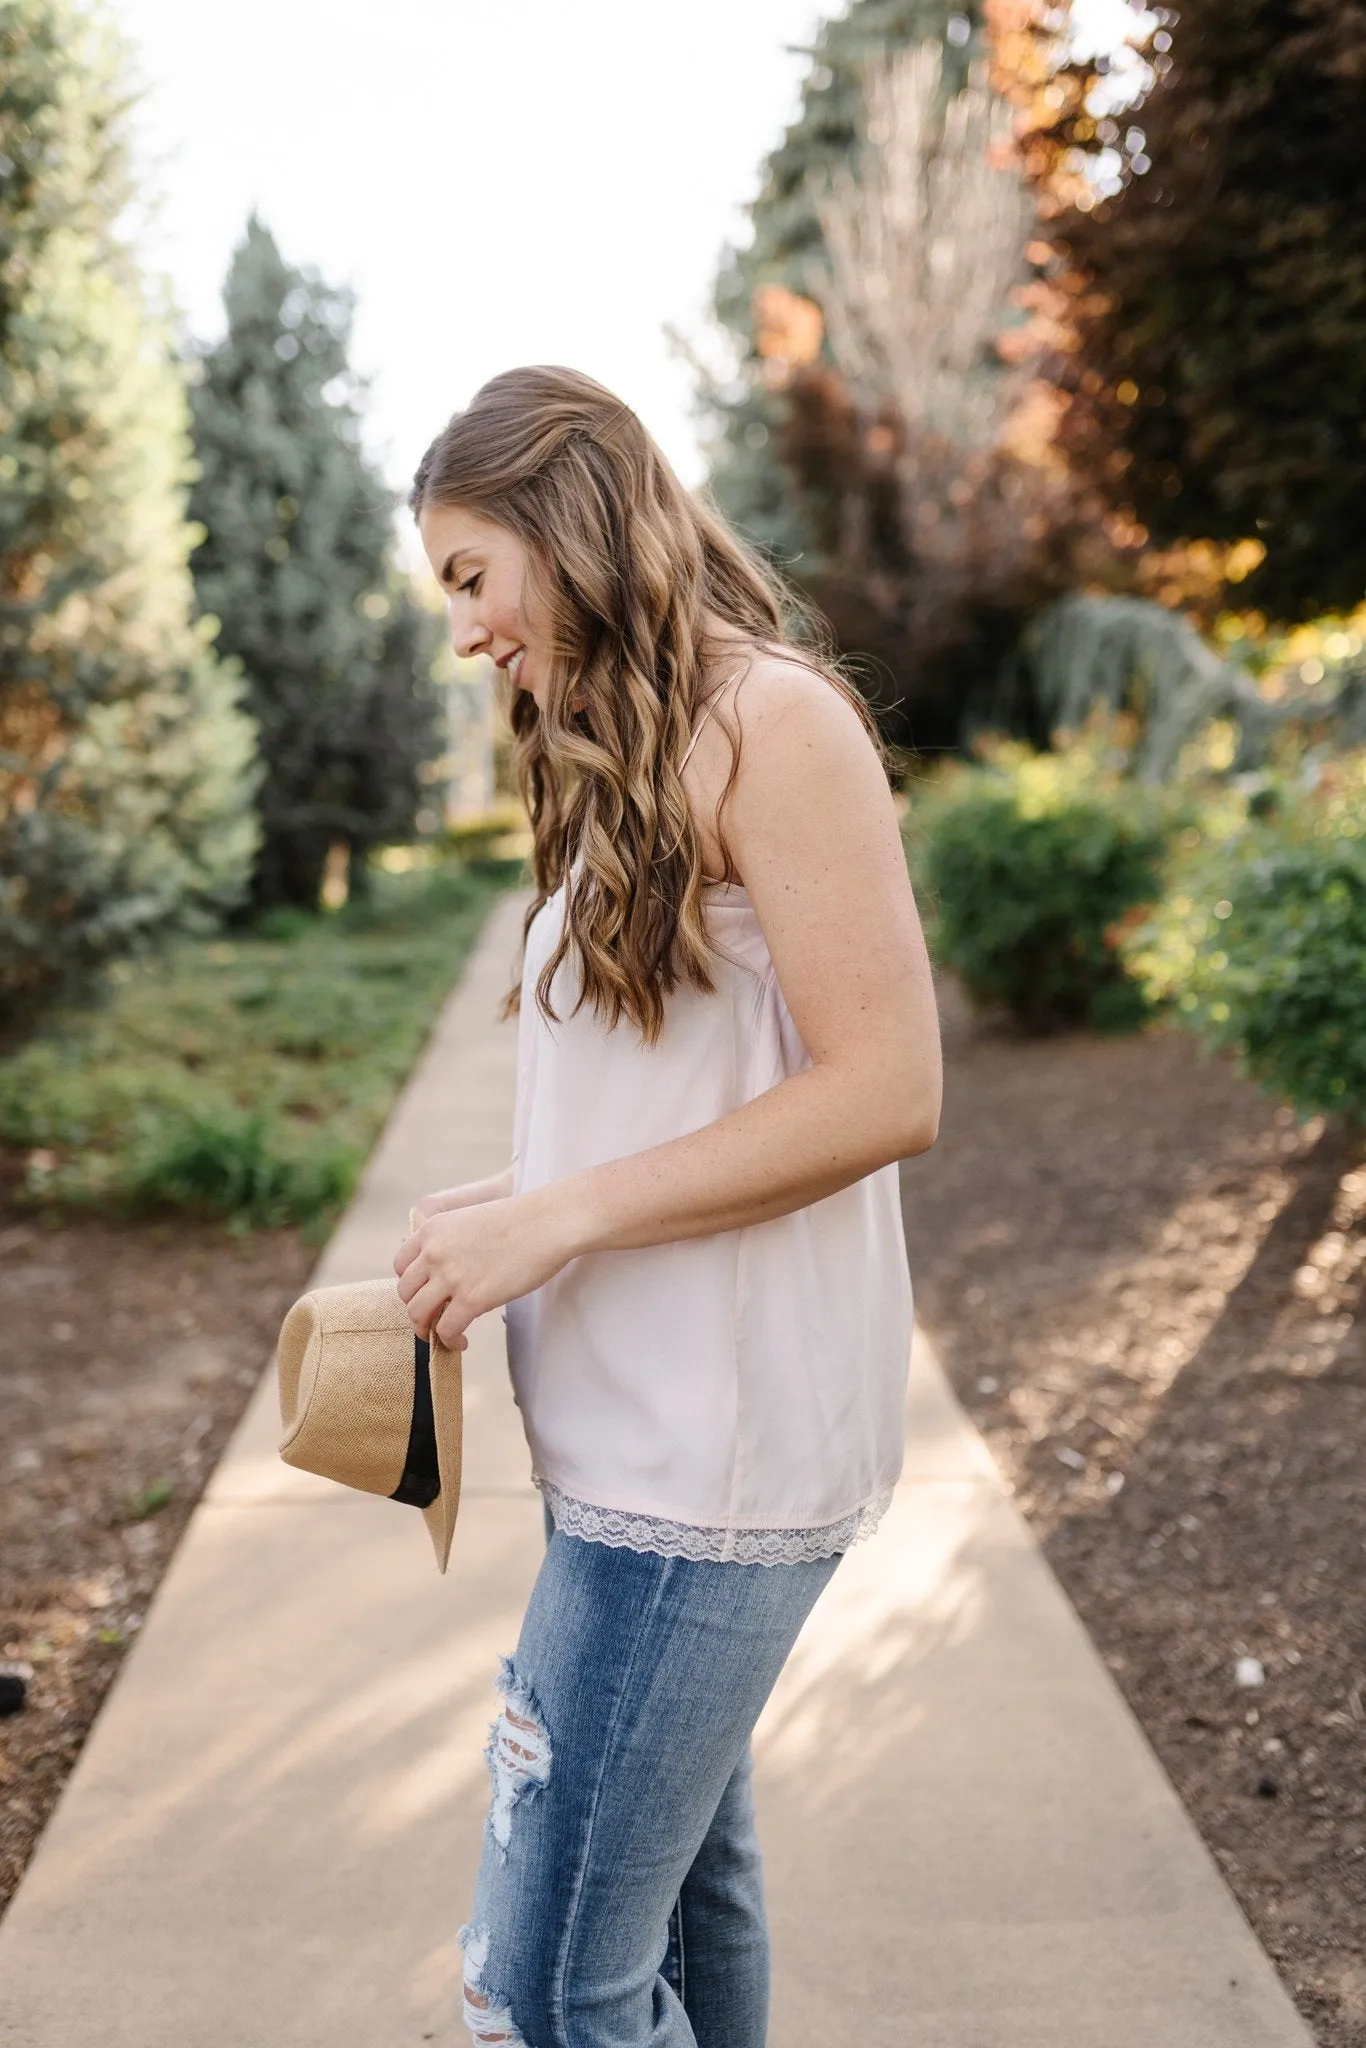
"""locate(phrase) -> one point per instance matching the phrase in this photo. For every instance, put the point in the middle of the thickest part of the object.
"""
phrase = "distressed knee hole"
(489, 2019)
(519, 1753)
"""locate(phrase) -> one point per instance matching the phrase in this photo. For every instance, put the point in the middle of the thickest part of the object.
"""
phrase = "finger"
(426, 1306)
(406, 1253)
(413, 1276)
(451, 1328)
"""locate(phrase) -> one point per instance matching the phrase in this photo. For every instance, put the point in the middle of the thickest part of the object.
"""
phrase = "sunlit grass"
(246, 1077)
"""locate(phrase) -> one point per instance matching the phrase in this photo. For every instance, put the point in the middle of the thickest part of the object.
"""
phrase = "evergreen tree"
(125, 763)
(395, 740)
(296, 567)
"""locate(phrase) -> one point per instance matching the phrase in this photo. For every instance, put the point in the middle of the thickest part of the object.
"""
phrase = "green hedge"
(1066, 894)
(1029, 863)
(1259, 941)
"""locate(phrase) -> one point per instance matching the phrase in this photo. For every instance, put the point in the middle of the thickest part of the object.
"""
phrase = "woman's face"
(482, 569)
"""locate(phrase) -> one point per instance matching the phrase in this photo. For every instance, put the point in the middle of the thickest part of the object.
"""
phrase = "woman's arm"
(813, 831)
(496, 1188)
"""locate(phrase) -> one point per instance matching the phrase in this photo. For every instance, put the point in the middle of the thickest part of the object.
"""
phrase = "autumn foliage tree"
(786, 256)
(919, 435)
(886, 436)
(926, 251)
(1205, 293)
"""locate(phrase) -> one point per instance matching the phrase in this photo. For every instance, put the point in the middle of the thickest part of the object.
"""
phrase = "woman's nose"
(468, 637)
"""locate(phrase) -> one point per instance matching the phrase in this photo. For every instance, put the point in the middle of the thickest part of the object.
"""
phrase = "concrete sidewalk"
(272, 1834)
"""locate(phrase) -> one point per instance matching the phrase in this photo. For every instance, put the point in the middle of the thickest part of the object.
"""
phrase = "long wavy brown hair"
(629, 573)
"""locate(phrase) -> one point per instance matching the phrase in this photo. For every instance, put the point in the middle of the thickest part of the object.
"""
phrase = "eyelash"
(469, 585)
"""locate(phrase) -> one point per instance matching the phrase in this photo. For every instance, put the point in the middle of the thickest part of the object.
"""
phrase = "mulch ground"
(129, 1353)
(1146, 1285)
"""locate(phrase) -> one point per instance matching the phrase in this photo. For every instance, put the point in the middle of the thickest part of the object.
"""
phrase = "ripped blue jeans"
(619, 1901)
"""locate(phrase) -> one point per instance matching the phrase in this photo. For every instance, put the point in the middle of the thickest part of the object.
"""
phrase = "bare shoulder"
(791, 723)
(781, 692)
(785, 752)
(814, 836)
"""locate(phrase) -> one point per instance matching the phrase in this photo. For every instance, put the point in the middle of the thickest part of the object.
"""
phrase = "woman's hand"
(467, 1260)
(495, 1188)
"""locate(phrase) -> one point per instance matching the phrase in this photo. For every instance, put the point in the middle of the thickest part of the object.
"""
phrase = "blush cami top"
(739, 1396)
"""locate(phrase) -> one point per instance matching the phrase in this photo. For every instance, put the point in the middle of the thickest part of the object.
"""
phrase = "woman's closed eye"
(470, 585)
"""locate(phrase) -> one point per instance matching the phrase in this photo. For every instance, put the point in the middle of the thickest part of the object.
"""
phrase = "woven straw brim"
(447, 1412)
(345, 1359)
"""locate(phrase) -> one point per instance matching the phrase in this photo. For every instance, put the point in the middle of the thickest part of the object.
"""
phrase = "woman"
(727, 1038)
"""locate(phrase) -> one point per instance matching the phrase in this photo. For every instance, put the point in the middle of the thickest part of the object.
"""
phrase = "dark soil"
(128, 1354)
(1146, 1285)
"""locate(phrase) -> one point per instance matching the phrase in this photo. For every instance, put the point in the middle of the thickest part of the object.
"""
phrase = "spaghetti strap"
(707, 710)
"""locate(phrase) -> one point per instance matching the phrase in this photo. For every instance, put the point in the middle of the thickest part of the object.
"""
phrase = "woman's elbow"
(894, 1119)
(916, 1108)
(904, 1129)
(918, 1135)
(911, 1092)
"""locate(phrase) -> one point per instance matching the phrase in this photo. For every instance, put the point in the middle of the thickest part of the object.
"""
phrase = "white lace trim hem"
(700, 1545)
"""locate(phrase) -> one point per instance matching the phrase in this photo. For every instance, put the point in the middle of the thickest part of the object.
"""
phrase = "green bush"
(286, 921)
(1259, 942)
(1029, 863)
(226, 1164)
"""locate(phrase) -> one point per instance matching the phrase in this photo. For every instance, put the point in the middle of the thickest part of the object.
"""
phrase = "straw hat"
(365, 1401)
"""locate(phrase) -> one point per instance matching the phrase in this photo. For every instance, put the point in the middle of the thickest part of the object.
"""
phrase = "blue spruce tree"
(296, 565)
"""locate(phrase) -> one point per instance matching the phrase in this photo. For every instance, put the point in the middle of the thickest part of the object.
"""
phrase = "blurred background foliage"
(216, 687)
(1064, 890)
(220, 704)
(244, 1077)
(1162, 405)
(1257, 938)
(785, 259)
(126, 761)
(1045, 389)
(1203, 278)
(1027, 862)
(296, 565)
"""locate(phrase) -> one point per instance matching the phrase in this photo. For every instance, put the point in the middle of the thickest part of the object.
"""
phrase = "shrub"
(1030, 862)
(1259, 942)
(285, 922)
(226, 1165)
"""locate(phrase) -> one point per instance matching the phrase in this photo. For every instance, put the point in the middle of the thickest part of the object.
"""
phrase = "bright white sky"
(502, 181)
